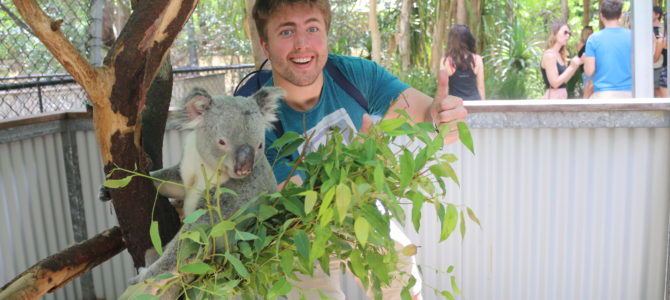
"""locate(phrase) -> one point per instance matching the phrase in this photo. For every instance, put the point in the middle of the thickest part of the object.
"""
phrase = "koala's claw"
(103, 194)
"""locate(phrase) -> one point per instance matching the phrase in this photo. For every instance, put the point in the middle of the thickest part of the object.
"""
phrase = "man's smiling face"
(296, 44)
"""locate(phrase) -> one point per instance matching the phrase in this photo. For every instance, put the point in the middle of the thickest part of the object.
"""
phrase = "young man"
(294, 36)
(608, 55)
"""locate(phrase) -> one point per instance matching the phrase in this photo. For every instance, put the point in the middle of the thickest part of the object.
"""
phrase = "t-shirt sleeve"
(379, 87)
(590, 47)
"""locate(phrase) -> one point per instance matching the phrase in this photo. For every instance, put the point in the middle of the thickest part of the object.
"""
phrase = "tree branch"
(57, 270)
(48, 31)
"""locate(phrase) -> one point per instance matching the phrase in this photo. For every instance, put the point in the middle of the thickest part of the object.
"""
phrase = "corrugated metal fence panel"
(34, 211)
(566, 214)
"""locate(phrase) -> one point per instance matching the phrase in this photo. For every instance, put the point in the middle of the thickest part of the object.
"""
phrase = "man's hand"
(447, 109)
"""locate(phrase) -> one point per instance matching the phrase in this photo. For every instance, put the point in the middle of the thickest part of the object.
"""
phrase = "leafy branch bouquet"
(343, 211)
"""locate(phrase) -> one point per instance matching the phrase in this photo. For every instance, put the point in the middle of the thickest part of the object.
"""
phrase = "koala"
(227, 129)
(224, 127)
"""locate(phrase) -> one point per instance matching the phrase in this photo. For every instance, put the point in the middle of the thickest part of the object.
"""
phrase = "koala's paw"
(103, 194)
(140, 276)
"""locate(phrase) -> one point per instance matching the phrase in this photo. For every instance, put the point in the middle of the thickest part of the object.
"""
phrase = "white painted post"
(643, 71)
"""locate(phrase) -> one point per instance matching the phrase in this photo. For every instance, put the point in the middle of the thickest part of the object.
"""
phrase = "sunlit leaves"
(342, 201)
(362, 229)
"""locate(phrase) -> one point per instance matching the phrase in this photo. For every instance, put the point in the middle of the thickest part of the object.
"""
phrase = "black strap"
(260, 77)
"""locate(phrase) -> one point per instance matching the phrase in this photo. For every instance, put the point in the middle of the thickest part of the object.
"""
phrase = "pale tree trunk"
(565, 10)
(439, 34)
(586, 18)
(461, 12)
(476, 21)
(404, 42)
(375, 35)
(119, 93)
(252, 33)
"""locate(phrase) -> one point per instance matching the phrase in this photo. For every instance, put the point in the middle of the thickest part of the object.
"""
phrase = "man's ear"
(264, 46)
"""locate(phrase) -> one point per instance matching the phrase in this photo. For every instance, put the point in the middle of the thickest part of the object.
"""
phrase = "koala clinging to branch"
(224, 127)
(231, 129)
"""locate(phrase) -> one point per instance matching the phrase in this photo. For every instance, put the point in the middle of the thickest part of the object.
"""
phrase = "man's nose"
(300, 40)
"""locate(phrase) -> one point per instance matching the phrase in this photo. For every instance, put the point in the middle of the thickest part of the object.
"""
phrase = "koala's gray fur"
(225, 128)
(241, 122)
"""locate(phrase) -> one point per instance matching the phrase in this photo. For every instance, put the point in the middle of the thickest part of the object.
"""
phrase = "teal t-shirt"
(336, 108)
(612, 49)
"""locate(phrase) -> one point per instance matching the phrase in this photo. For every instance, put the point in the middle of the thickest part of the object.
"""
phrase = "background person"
(660, 55)
(464, 66)
(554, 65)
(587, 81)
(608, 55)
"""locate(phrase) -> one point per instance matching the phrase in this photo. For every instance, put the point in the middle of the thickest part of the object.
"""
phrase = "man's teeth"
(302, 60)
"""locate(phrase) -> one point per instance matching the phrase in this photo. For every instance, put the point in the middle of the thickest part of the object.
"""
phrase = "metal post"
(74, 191)
(643, 73)
(192, 44)
(95, 32)
(39, 95)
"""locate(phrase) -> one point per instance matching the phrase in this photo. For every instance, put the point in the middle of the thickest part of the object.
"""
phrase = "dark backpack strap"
(255, 83)
(260, 77)
(346, 85)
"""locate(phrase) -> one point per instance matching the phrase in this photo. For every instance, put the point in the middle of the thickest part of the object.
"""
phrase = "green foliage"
(340, 212)
(512, 61)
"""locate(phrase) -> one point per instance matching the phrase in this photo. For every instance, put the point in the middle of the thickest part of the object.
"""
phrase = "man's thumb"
(366, 124)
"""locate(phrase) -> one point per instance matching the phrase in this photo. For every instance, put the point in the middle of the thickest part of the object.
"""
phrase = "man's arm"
(442, 109)
(589, 65)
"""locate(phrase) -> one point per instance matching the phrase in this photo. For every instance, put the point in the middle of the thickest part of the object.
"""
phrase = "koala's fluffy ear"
(194, 106)
(267, 99)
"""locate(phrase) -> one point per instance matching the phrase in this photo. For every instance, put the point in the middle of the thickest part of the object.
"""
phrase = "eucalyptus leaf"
(156, 237)
(465, 136)
(198, 268)
(449, 223)
(117, 183)
(454, 286)
(361, 229)
(237, 264)
(220, 228)
(245, 236)
(286, 138)
(302, 244)
(342, 201)
(310, 200)
(194, 216)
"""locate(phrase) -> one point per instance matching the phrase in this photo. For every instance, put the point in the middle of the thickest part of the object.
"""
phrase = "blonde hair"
(552, 39)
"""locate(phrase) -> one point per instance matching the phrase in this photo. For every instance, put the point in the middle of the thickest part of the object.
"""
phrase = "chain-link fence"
(28, 95)
(32, 81)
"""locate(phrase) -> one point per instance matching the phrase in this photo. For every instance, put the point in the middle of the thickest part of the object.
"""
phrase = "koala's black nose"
(244, 160)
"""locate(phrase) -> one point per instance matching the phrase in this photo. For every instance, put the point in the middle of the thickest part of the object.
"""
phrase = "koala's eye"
(260, 146)
(222, 142)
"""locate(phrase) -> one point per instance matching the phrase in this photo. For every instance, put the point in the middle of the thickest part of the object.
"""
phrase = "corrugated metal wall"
(566, 213)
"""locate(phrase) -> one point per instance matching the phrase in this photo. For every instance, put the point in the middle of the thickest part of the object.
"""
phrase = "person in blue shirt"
(608, 55)
(294, 37)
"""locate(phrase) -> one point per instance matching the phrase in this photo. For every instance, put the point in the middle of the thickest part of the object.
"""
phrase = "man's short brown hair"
(263, 9)
(611, 9)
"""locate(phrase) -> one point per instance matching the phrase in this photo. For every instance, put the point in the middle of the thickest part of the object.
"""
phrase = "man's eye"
(313, 29)
(286, 32)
